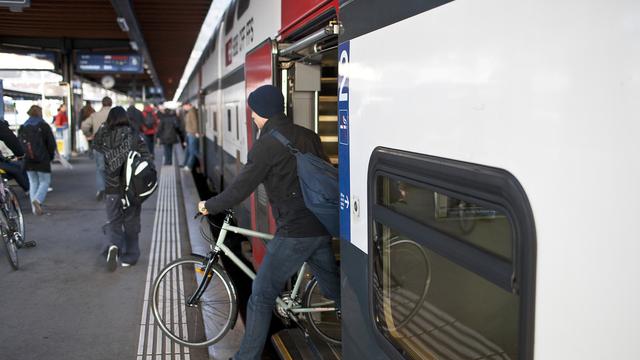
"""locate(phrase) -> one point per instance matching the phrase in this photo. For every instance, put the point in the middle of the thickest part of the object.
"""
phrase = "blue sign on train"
(343, 141)
(108, 63)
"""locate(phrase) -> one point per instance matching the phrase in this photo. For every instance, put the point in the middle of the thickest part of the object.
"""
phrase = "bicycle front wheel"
(205, 321)
(18, 218)
(11, 248)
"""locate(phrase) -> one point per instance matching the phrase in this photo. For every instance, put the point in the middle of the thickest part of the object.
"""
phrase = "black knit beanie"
(266, 101)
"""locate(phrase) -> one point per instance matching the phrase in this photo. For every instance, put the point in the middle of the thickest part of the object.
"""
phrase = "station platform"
(63, 303)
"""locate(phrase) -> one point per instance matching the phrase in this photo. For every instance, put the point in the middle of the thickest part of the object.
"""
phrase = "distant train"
(487, 154)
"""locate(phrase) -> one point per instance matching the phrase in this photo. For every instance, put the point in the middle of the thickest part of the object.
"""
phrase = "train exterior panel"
(539, 92)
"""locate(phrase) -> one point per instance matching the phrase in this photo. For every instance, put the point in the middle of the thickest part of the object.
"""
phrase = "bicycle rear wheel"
(10, 247)
(203, 323)
(326, 324)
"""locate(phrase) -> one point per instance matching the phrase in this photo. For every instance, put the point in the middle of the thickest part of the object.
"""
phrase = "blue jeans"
(283, 259)
(100, 174)
(192, 151)
(38, 185)
(149, 141)
(168, 154)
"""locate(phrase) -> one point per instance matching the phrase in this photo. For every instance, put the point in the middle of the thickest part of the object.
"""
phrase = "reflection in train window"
(429, 307)
(485, 228)
(428, 302)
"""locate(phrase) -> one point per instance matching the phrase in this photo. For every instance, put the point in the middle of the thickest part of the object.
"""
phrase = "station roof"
(168, 29)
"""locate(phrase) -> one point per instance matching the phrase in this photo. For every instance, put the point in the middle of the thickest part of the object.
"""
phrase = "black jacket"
(49, 143)
(115, 144)
(10, 139)
(169, 129)
(135, 117)
(269, 162)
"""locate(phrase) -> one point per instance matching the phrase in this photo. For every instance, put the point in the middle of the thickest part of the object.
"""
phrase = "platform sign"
(343, 140)
(108, 63)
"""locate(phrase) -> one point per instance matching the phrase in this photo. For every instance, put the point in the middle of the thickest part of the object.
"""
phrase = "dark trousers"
(122, 229)
(168, 154)
(148, 139)
(14, 171)
(284, 258)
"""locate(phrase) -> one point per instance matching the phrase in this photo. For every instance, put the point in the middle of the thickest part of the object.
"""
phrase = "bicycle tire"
(189, 325)
(326, 325)
(11, 248)
(423, 294)
(19, 218)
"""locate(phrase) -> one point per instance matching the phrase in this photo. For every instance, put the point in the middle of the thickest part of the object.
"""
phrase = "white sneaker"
(186, 168)
(125, 264)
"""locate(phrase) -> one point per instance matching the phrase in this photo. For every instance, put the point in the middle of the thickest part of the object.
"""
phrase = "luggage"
(319, 183)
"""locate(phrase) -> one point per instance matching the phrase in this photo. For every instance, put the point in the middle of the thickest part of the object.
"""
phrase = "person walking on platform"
(61, 121)
(168, 133)
(135, 115)
(90, 127)
(40, 147)
(300, 236)
(86, 111)
(191, 126)
(149, 127)
(114, 140)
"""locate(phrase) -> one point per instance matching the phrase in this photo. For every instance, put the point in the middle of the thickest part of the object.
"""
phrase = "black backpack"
(32, 140)
(149, 120)
(319, 185)
(140, 179)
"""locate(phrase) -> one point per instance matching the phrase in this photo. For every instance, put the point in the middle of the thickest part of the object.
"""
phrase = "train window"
(229, 120)
(229, 17)
(215, 121)
(243, 6)
(237, 124)
(452, 270)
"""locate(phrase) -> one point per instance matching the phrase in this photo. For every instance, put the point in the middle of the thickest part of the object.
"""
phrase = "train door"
(259, 70)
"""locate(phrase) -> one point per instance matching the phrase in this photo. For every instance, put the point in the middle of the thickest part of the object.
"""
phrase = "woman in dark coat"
(115, 139)
(40, 146)
(168, 133)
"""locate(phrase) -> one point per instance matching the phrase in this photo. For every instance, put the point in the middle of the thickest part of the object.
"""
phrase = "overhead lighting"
(123, 24)
(134, 45)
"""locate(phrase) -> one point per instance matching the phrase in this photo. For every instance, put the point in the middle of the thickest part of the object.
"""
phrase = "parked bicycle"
(12, 228)
(194, 301)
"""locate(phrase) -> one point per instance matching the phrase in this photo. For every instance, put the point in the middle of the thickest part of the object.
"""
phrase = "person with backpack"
(116, 140)
(168, 133)
(90, 128)
(135, 115)
(39, 147)
(149, 127)
(300, 236)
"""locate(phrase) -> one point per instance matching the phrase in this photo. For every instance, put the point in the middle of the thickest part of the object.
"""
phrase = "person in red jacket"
(61, 120)
(149, 126)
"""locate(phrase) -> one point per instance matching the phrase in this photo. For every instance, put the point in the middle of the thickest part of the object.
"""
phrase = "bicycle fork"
(206, 280)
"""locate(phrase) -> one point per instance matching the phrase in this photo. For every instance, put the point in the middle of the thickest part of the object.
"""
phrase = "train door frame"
(258, 73)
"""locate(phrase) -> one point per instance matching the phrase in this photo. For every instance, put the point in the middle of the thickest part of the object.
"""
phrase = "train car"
(474, 136)
(469, 136)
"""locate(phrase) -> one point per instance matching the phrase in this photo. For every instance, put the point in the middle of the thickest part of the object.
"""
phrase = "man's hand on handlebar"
(202, 209)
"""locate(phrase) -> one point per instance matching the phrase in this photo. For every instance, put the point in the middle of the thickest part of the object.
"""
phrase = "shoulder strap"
(283, 140)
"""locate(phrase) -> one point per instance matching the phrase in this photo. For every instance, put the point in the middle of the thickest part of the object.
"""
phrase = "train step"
(291, 344)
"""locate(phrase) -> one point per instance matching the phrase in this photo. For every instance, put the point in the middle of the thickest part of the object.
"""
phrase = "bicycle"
(12, 228)
(197, 292)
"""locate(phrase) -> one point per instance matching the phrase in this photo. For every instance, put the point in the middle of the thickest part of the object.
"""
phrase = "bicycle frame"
(219, 246)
